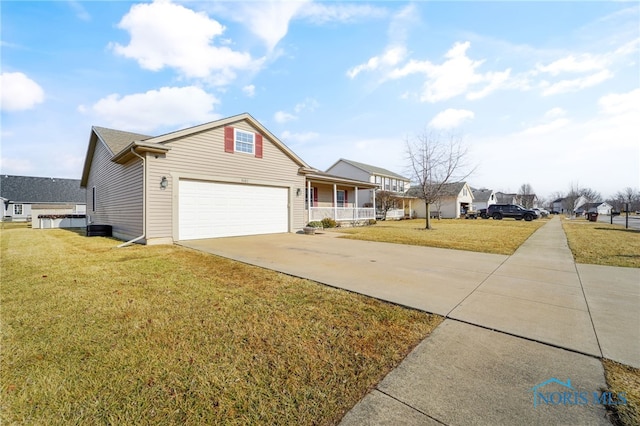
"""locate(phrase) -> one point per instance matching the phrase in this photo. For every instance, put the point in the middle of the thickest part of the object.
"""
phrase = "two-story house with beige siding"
(385, 180)
(230, 177)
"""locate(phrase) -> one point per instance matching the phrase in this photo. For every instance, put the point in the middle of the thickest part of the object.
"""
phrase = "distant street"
(634, 220)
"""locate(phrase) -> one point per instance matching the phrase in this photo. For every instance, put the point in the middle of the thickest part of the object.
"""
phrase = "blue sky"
(545, 93)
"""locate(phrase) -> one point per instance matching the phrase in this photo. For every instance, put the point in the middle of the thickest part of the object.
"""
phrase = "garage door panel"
(211, 209)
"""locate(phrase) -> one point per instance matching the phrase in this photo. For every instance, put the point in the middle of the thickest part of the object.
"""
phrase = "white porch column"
(355, 207)
(335, 201)
(309, 201)
(374, 203)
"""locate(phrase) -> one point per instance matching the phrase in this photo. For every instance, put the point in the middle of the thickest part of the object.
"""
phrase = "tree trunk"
(428, 220)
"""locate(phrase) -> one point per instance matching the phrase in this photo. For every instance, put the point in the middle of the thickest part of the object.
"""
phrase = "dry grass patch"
(622, 378)
(165, 335)
(479, 235)
(600, 243)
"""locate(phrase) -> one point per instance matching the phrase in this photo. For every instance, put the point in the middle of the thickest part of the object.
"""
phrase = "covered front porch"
(334, 197)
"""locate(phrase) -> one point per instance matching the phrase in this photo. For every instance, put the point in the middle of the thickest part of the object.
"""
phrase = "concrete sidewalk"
(513, 323)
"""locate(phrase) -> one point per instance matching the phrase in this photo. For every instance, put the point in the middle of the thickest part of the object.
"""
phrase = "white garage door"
(211, 210)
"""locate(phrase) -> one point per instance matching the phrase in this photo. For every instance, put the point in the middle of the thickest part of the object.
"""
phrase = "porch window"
(379, 180)
(341, 198)
(244, 141)
(401, 186)
(17, 209)
(394, 185)
(387, 184)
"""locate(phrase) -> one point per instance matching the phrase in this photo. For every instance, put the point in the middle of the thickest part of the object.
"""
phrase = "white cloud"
(389, 58)
(451, 118)
(580, 64)
(576, 84)
(269, 20)
(309, 104)
(16, 166)
(79, 10)
(321, 13)
(18, 92)
(453, 77)
(164, 34)
(621, 103)
(167, 107)
(283, 117)
(545, 128)
(555, 113)
(249, 90)
(289, 137)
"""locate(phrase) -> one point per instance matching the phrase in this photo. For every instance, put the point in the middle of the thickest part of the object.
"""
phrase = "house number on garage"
(243, 180)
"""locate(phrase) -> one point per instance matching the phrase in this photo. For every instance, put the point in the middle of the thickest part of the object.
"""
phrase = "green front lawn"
(92, 334)
(480, 235)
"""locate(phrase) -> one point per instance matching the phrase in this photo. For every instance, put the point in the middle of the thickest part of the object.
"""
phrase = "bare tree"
(628, 196)
(385, 201)
(436, 162)
(571, 199)
(526, 195)
(579, 196)
(590, 195)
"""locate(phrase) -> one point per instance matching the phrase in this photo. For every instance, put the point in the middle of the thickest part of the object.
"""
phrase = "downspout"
(144, 204)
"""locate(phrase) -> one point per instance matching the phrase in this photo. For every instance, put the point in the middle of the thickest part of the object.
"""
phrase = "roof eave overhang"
(138, 147)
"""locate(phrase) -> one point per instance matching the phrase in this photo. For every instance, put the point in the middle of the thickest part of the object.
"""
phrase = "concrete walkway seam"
(407, 405)
(586, 301)
(477, 287)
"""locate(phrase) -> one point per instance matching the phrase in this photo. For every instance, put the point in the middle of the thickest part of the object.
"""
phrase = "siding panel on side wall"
(349, 171)
(203, 156)
(118, 194)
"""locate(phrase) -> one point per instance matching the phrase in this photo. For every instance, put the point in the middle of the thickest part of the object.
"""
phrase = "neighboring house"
(599, 207)
(483, 198)
(457, 198)
(557, 205)
(24, 198)
(385, 180)
(504, 198)
(229, 177)
(528, 201)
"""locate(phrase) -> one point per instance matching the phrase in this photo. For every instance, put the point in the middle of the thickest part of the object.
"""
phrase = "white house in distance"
(386, 180)
(457, 198)
(483, 198)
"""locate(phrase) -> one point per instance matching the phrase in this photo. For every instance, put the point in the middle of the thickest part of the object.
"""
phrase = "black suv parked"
(498, 211)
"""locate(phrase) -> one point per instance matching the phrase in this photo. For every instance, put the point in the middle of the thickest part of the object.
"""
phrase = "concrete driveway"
(537, 293)
(509, 321)
(429, 279)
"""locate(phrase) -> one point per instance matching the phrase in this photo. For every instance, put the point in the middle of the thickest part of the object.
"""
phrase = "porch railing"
(341, 213)
(395, 214)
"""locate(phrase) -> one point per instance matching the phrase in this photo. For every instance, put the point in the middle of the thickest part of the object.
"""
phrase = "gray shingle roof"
(117, 140)
(448, 189)
(29, 189)
(481, 195)
(374, 170)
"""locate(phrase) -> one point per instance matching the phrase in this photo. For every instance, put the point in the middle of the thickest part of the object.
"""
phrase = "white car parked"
(541, 212)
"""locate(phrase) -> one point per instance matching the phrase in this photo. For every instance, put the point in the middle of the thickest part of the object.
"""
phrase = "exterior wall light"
(298, 192)
(164, 182)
